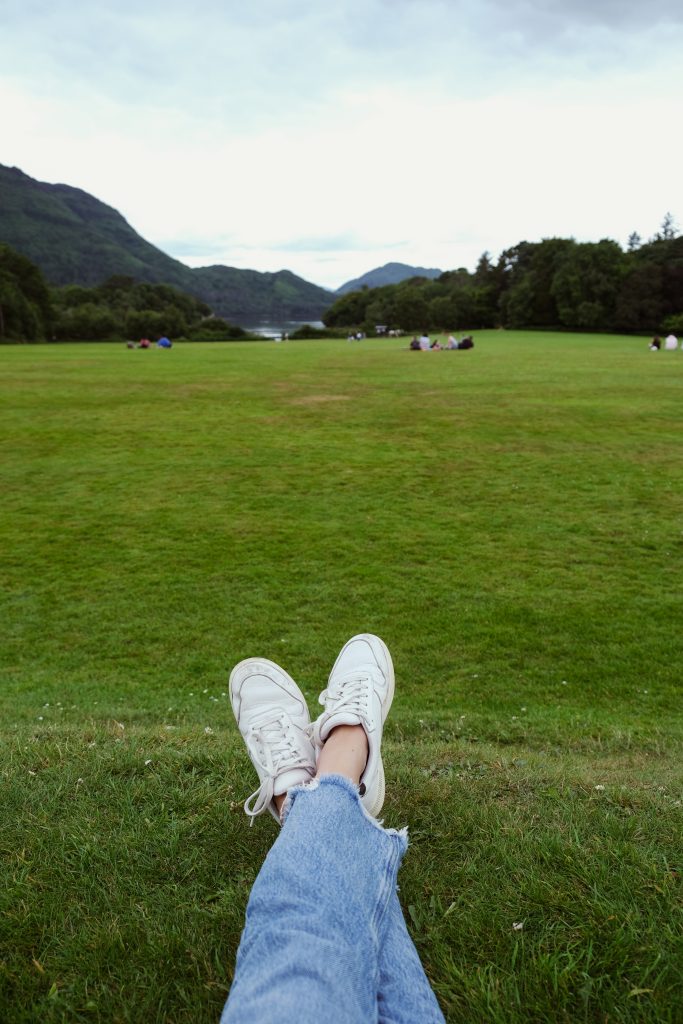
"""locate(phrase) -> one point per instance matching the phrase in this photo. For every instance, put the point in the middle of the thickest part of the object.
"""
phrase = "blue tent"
(164, 343)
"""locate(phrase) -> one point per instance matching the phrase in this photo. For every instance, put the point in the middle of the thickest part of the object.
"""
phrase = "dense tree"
(555, 283)
(25, 308)
(639, 301)
(148, 323)
(484, 270)
(529, 300)
(652, 287)
(586, 284)
(412, 310)
(214, 328)
(349, 309)
(88, 322)
(443, 310)
(667, 230)
(122, 307)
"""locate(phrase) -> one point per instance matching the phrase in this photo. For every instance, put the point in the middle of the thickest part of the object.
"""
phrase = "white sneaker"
(359, 692)
(273, 718)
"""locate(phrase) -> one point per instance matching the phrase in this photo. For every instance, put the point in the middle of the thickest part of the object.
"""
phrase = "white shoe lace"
(351, 695)
(274, 745)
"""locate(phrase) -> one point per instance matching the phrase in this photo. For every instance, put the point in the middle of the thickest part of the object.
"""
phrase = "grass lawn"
(509, 520)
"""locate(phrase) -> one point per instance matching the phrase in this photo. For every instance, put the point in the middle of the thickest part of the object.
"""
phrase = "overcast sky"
(330, 139)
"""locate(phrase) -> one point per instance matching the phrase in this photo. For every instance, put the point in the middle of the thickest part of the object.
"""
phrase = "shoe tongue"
(290, 778)
(341, 718)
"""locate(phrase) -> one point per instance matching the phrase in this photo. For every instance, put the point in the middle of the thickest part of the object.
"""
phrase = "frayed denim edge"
(342, 782)
(299, 788)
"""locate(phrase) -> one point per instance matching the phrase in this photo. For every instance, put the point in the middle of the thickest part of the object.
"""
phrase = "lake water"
(275, 328)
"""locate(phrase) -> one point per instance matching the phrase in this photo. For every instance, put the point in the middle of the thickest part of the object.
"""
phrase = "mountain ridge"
(75, 238)
(390, 273)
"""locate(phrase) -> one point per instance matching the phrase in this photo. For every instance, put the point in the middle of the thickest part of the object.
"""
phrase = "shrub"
(308, 331)
(214, 328)
(673, 324)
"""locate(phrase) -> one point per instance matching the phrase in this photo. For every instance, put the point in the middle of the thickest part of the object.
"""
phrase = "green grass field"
(509, 520)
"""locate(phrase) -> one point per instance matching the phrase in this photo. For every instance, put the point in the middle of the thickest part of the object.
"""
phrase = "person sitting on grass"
(436, 345)
(325, 937)
(452, 342)
(415, 345)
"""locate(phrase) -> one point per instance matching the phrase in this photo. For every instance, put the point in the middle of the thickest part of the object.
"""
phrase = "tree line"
(119, 309)
(557, 284)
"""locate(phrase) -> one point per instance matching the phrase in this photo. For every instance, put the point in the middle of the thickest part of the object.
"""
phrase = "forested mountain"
(119, 309)
(390, 273)
(76, 239)
(556, 283)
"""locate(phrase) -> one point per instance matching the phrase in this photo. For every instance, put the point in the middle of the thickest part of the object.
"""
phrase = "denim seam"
(388, 883)
(398, 838)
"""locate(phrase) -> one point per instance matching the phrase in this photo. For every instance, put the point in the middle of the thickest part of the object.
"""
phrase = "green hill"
(76, 239)
(390, 273)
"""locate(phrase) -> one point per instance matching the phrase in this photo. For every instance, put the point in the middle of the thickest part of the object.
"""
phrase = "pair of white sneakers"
(282, 741)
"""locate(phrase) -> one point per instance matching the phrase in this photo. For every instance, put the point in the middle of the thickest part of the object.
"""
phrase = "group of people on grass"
(163, 342)
(425, 344)
(670, 343)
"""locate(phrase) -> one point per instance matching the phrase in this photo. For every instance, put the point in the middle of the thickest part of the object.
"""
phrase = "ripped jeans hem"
(344, 783)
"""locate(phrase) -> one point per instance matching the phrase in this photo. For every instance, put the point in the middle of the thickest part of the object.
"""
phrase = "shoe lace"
(277, 750)
(350, 693)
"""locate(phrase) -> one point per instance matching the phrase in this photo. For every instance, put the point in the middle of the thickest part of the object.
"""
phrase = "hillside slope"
(76, 239)
(390, 273)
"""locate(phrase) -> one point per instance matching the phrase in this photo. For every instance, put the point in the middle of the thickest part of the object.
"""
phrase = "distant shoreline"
(266, 328)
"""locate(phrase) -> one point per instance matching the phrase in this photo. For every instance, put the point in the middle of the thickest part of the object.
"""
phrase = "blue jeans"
(325, 938)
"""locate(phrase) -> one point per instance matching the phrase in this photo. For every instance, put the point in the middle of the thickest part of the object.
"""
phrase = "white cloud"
(331, 139)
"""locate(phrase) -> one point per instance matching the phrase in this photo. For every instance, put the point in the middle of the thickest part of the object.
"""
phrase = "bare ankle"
(345, 753)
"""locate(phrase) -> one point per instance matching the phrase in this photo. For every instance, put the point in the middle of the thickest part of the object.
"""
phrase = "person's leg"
(404, 992)
(359, 693)
(345, 753)
(316, 908)
(315, 919)
(324, 927)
